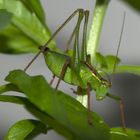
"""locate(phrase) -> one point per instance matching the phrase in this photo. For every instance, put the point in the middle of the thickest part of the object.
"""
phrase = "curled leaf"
(25, 129)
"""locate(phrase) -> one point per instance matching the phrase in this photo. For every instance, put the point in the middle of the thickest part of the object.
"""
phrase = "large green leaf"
(25, 129)
(44, 117)
(63, 108)
(10, 44)
(5, 18)
(35, 6)
(26, 22)
(119, 134)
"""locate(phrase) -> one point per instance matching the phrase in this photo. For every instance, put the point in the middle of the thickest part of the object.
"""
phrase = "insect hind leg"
(121, 104)
(52, 80)
(53, 35)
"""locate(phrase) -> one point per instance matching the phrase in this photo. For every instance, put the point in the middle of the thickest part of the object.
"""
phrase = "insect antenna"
(121, 103)
(122, 29)
(117, 52)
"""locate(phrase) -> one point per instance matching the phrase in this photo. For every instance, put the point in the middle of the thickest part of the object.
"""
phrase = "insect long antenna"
(53, 35)
(122, 29)
(114, 68)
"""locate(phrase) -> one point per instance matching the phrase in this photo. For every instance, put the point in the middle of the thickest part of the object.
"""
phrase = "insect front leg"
(121, 104)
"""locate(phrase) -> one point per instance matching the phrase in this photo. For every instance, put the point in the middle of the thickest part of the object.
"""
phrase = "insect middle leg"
(90, 121)
(82, 92)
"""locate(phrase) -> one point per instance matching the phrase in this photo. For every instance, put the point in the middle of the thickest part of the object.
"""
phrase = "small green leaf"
(25, 129)
(134, 4)
(120, 134)
(63, 108)
(5, 18)
(105, 64)
(111, 60)
(100, 61)
(8, 87)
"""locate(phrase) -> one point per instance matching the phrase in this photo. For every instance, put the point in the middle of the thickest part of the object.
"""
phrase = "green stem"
(96, 26)
(128, 69)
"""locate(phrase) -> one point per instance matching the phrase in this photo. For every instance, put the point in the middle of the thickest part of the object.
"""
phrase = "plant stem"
(96, 26)
(134, 69)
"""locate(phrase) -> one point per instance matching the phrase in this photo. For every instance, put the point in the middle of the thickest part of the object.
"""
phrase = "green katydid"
(75, 69)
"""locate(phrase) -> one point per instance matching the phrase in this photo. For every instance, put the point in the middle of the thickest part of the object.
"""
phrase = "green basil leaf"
(35, 7)
(27, 22)
(5, 18)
